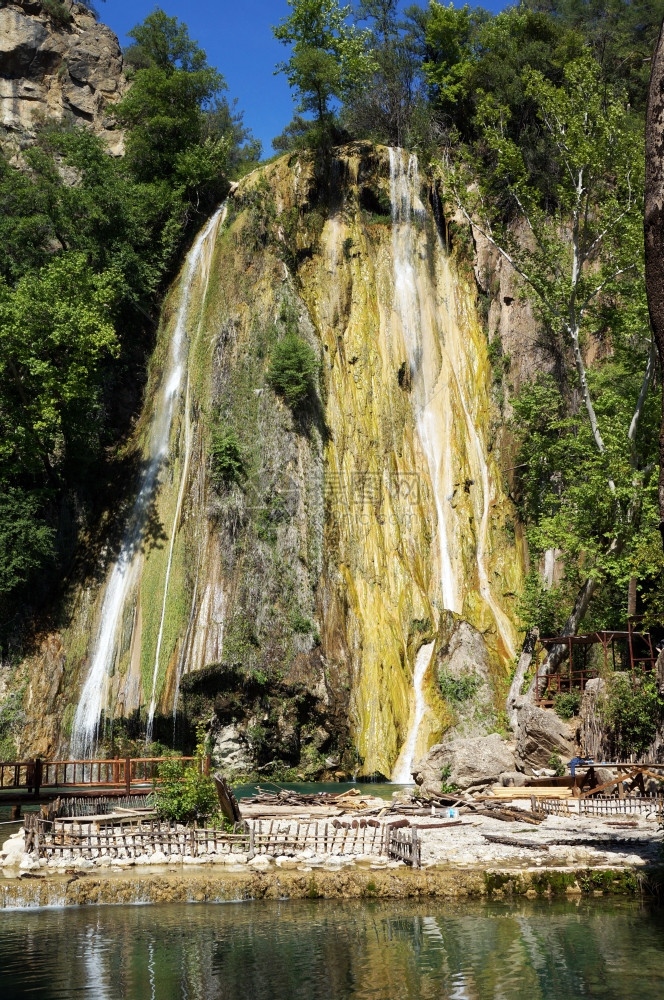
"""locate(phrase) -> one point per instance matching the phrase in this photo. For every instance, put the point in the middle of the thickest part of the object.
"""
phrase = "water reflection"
(332, 951)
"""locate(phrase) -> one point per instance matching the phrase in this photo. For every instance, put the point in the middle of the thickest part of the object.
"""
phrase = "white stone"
(158, 858)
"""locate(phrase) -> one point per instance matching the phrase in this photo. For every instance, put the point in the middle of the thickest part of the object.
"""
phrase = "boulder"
(231, 750)
(540, 733)
(12, 853)
(513, 779)
(463, 661)
(466, 762)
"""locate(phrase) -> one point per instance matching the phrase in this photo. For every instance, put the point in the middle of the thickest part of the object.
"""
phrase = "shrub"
(445, 787)
(458, 689)
(566, 705)
(555, 763)
(185, 793)
(227, 462)
(57, 12)
(633, 714)
(293, 369)
(299, 624)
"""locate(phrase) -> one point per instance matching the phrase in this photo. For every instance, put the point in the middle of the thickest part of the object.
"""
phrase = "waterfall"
(438, 357)
(125, 570)
(404, 189)
(403, 769)
(180, 335)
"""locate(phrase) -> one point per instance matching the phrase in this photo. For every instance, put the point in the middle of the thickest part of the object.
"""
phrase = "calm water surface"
(336, 951)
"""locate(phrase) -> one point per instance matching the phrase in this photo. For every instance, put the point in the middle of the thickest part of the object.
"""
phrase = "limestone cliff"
(291, 604)
(57, 63)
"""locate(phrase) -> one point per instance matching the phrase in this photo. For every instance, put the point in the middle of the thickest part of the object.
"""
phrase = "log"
(514, 842)
(228, 804)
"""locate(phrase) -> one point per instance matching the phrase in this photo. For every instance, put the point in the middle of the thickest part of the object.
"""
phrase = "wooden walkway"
(44, 780)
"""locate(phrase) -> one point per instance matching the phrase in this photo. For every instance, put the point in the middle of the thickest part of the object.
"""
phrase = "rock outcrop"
(540, 733)
(66, 68)
(464, 675)
(464, 762)
(231, 751)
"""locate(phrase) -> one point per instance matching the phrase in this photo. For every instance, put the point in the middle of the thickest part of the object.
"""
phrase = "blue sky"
(238, 40)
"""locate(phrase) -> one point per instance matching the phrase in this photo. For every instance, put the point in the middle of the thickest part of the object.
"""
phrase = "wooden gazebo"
(574, 675)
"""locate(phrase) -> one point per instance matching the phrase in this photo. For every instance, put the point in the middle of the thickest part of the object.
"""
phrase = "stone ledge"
(197, 886)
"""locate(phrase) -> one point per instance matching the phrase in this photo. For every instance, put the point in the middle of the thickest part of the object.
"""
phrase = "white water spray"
(403, 769)
(85, 728)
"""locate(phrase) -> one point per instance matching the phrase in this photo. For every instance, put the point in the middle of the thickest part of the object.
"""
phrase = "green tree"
(620, 34)
(56, 326)
(383, 109)
(165, 109)
(580, 264)
(26, 540)
(184, 793)
(329, 59)
(293, 369)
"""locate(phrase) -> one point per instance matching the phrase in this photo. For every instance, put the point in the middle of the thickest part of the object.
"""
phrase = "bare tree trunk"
(631, 597)
(522, 667)
(654, 226)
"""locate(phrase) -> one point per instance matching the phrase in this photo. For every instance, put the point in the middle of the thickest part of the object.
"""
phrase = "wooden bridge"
(43, 780)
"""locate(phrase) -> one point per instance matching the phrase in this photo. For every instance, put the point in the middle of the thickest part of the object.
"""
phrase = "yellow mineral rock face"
(394, 505)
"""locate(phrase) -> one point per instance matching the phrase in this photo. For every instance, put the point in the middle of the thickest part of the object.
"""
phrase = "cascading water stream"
(88, 712)
(403, 769)
(180, 335)
(404, 183)
(431, 357)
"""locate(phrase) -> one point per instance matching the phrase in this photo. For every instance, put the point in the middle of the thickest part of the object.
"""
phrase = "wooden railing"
(126, 774)
(550, 685)
(601, 805)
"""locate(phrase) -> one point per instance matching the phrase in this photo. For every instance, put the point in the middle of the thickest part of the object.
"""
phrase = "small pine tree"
(292, 372)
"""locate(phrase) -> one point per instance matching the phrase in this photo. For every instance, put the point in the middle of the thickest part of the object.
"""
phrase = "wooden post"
(416, 859)
(38, 776)
(128, 775)
(252, 852)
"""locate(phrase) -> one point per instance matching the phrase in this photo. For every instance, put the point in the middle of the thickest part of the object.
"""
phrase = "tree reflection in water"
(320, 950)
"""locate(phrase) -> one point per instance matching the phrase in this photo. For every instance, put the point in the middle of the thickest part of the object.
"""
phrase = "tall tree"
(329, 58)
(580, 265)
(383, 109)
(173, 88)
(654, 226)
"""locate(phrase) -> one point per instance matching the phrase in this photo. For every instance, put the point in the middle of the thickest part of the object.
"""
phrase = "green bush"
(445, 787)
(458, 689)
(299, 624)
(555, 763)
(293, 368)
(227, 462)
(566, 705)
(633, 714)
(185, 793)
(57, 12)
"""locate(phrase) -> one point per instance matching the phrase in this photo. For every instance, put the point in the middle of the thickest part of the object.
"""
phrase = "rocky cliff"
(57, 63)
(290, 605)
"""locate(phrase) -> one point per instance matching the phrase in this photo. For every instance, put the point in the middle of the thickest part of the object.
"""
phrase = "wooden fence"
(127, 837)
(601, 805)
